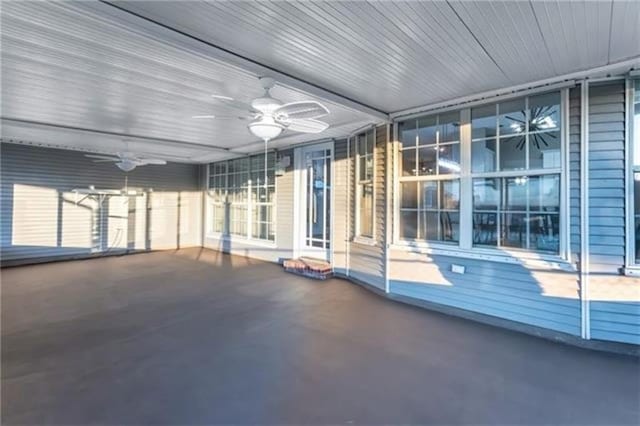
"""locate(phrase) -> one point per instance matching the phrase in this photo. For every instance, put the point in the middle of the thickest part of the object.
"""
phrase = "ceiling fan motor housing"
(266, 105)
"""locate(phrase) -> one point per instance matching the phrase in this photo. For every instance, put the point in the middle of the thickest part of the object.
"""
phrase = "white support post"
(466, 184)
(389, 194)
(349, 210)
(584, 210)
(565, 205)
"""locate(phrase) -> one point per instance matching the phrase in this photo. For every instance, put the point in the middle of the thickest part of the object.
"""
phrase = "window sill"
(366, 241)
(632, 271)
(241, 240)
(529, 260)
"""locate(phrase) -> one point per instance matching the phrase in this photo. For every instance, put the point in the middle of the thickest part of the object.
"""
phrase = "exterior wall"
(614, 300)
(512, 291)
(537, 293)
(42, 219)
(341, 211)
(276, 251)
(366, 258)
(541, 293)
(530, 292)
(574, 172)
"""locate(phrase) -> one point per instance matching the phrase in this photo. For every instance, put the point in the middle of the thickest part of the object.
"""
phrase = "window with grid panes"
(429, 181)
(515, 165)
(242, 202)
(365, 166)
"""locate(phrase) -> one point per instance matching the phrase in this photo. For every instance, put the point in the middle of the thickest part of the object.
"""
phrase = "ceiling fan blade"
(232, 103)
(103, 157)
(113, 160)
(220, 117)
(302, 109)
(307, 125)
(157, 161)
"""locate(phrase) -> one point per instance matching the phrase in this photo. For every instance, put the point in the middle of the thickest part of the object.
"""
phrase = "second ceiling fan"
(270, 116)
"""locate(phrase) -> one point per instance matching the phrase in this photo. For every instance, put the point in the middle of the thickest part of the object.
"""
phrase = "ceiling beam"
(206, 49)
(170, 142)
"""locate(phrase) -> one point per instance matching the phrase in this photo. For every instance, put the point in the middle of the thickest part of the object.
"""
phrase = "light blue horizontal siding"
(611, 320)
(617, 321)
(574, 171)
(606, 177)
(508, 291)
(564, 320)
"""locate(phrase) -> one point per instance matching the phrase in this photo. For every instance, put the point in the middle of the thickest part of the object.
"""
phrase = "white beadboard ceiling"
(140, 69)
(76, 76)
(394, 55)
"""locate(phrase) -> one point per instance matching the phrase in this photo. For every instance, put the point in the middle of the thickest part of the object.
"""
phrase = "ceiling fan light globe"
(126, 165)
(266, 128)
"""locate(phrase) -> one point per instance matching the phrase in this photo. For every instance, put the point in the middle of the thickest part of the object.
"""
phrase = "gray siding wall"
(614, 299)
(43, 219)
(574, 172)
(511, 291)
(367, 261)
(340, 234)
(606, 178)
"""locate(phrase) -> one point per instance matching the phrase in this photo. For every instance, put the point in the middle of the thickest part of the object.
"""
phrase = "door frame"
(299, 198)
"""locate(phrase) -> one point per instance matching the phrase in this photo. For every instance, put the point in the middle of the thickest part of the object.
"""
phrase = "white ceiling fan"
(270, 117)
(125, 160)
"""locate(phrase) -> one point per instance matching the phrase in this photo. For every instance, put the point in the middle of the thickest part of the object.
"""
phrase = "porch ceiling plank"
(510, 34)
(577, 33)
(625, 30)
(397, 55)
(363, 50)
(146, 67)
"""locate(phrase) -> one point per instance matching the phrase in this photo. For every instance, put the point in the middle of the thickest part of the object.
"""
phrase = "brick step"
(313, 268)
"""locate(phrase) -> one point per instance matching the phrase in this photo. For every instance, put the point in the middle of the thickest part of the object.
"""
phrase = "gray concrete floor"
(196, 337)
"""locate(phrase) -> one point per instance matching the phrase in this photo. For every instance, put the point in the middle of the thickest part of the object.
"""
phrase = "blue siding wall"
(510, 291)
(606, 178)
(617, 321)
(615, 299)
(574, 171)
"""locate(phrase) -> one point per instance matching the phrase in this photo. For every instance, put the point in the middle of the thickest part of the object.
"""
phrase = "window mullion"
(466, 183)
(249, 210)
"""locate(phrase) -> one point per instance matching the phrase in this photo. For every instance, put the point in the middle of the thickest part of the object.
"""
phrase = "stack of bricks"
(312, 268)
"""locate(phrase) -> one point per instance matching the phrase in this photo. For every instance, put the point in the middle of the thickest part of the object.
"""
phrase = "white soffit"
(397, 55)
(89, 67)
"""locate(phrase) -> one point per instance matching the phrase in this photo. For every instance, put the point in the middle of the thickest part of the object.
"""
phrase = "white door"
(314, 201)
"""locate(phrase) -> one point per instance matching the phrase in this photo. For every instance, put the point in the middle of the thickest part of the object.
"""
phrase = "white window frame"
(359, 237)
(465, 247)
(250, 205)
(434, 178)
(632, 267)
(211, 203)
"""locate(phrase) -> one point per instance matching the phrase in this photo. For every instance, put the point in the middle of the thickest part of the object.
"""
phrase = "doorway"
(314, 194)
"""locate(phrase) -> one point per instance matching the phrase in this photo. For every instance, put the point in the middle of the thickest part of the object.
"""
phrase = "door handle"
(315, 207)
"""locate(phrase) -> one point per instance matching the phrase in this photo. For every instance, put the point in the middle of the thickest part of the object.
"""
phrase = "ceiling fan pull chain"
(265, 167)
